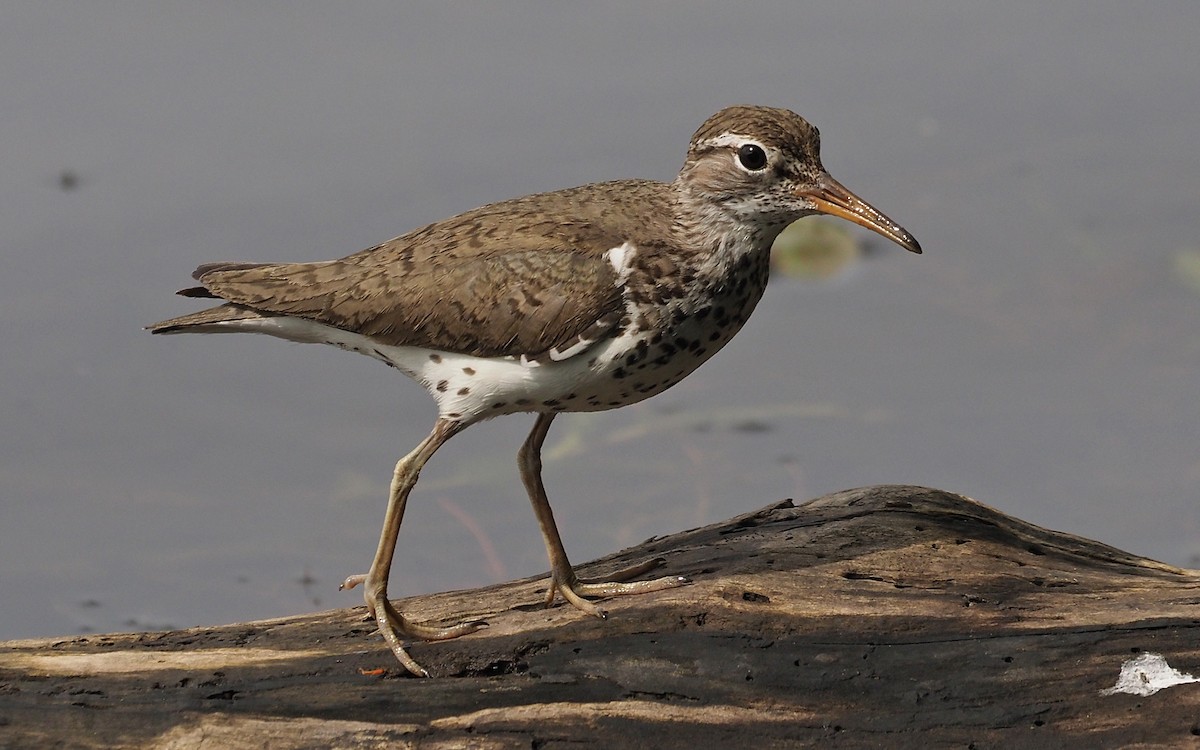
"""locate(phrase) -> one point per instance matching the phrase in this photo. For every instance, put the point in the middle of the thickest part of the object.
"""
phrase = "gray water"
(1042, 356)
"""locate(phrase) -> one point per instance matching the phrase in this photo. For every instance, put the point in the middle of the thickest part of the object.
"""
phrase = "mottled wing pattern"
(508, 279)
(453, 308)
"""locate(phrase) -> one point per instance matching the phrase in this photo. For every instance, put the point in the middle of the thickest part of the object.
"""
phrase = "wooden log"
(886, 616)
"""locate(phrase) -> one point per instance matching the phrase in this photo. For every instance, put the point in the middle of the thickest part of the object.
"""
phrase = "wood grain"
(887, 616)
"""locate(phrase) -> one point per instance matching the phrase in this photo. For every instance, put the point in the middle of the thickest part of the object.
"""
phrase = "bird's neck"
(720, 237)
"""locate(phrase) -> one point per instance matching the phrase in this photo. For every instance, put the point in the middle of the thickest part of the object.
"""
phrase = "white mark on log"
(1146, 675)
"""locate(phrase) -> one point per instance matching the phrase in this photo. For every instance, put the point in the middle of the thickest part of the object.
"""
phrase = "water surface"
(1042, 356)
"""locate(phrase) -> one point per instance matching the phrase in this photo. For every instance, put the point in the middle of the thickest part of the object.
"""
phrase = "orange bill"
(834, 199)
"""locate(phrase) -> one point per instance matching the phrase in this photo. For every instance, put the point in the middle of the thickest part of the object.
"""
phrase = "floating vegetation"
(1186, 267)
(814, 249)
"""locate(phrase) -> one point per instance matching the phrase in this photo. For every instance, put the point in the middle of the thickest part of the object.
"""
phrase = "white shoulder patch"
(621, 257)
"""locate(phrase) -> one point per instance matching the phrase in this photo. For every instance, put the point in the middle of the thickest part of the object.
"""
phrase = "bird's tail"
(227, 318)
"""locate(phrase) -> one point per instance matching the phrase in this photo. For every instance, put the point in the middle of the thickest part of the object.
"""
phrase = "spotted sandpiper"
(583, 299)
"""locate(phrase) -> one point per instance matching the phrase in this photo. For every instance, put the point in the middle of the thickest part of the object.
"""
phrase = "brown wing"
(508, 279)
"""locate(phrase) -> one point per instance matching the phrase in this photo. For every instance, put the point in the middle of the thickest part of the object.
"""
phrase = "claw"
(393, 626)
(574, 589)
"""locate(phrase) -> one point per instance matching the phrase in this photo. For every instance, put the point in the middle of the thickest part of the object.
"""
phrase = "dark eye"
(752, 157)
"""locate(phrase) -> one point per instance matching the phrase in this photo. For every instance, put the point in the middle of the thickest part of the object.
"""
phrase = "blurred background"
(1043, 356)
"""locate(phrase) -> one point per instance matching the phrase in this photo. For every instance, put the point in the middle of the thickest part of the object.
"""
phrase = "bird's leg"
(562, 576)
(392, 624)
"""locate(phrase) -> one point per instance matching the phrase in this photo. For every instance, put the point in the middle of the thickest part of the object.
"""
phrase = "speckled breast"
(663, 346)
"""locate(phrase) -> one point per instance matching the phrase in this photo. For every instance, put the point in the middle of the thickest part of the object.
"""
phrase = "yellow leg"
(562, 576)
(393, 625)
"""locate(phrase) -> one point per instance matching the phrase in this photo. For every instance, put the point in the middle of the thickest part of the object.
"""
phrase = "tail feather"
(198, 275)
(212, 320)
(197, 291)
(224, 265)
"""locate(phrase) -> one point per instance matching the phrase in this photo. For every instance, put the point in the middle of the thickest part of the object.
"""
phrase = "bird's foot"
(574, 589)
(394, 626)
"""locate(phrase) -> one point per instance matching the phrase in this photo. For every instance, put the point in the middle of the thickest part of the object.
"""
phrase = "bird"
(577, 300)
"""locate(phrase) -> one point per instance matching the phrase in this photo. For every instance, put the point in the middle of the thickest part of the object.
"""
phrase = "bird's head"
(763, 166)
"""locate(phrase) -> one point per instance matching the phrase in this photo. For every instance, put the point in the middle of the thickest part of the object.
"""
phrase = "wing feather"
(506, 279)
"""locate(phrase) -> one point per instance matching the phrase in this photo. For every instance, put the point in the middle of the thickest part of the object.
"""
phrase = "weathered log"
(887, 616)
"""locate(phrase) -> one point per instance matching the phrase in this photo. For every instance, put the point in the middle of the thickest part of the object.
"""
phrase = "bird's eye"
(752, 157)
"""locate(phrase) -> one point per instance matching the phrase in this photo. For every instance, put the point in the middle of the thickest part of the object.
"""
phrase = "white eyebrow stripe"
(735, 140)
